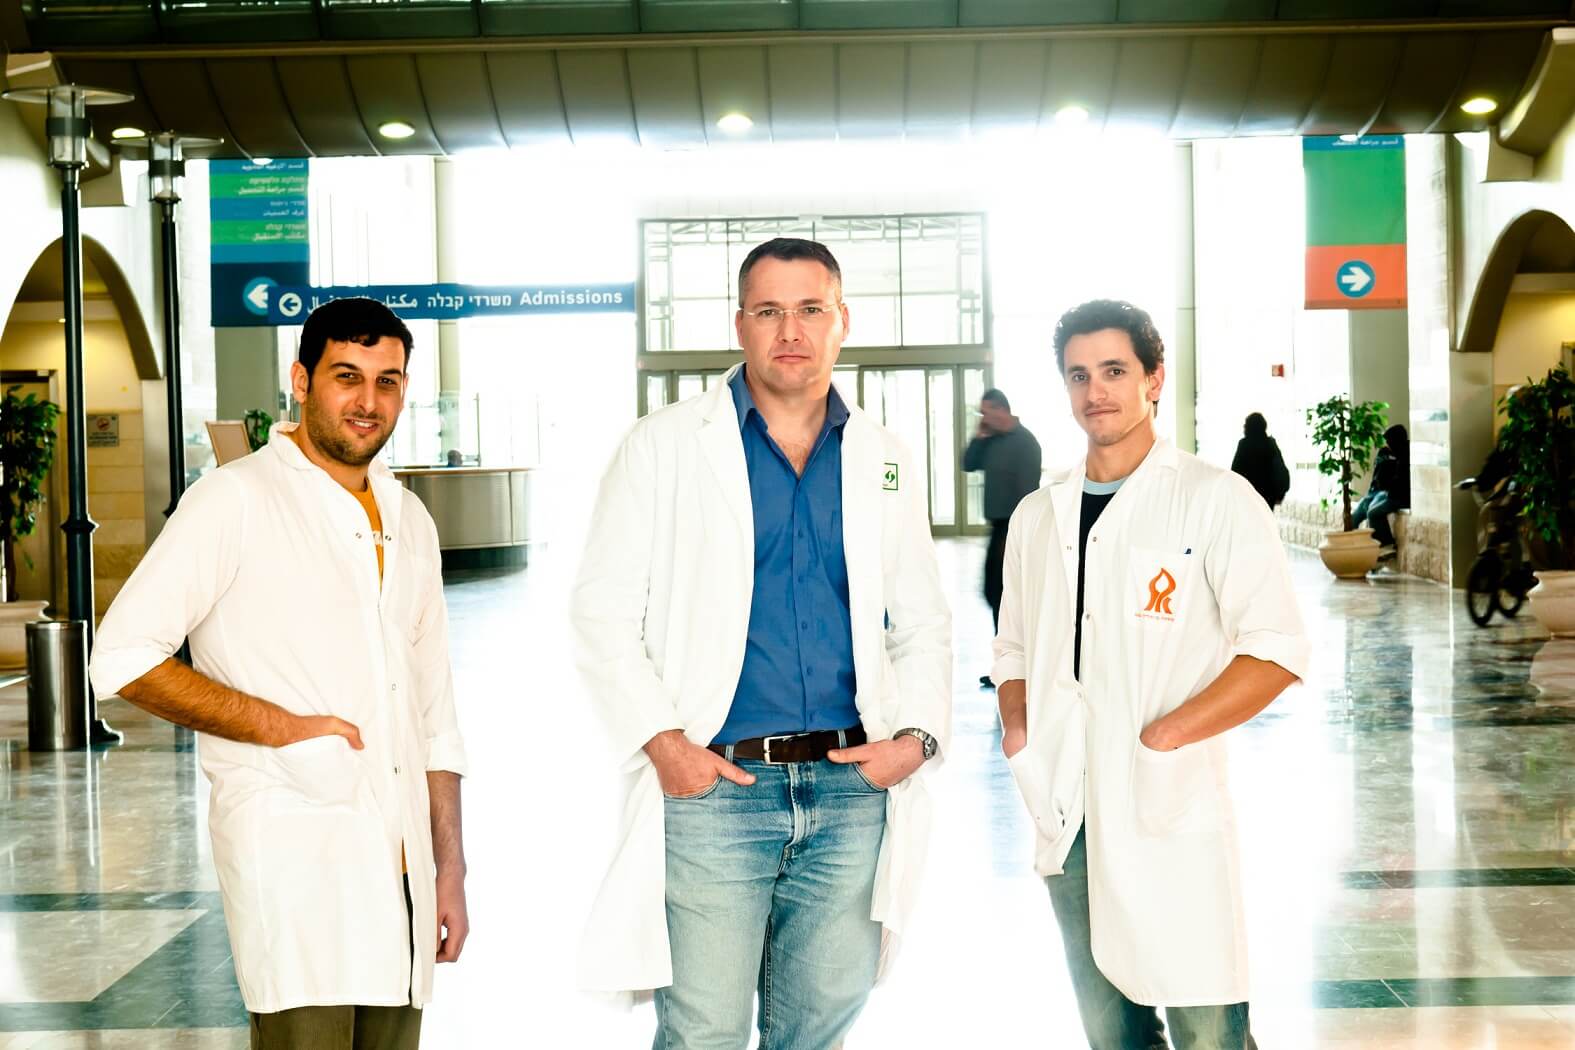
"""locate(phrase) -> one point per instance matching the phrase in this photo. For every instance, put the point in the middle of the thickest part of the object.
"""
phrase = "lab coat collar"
(281, 444)
(1163, 456)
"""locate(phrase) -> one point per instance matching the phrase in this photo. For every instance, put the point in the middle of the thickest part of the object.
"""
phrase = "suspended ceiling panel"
(1011, 83)
(248, 92)
(49, 24)
(527, 95)
(458, 97)
(669, 92)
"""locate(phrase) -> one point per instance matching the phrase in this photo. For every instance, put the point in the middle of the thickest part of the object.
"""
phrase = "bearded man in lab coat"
(309, 582)
(760, 623)
(1147, 609)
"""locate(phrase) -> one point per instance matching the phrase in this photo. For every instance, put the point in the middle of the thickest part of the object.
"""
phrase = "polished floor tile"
(74, 956)
(130, 1039)
(1408, 841)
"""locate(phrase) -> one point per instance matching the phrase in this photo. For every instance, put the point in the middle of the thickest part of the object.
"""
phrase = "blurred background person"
(1009, 456)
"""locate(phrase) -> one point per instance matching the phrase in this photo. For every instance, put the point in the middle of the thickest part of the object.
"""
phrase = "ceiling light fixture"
(1073, 114)
(1480, 106)
(128, 133)
(262, 162)
(1350, 138)
(735, 123)
(395, 129)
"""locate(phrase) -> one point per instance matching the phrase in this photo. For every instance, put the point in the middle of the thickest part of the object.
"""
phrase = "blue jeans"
(1111, 1020)
(1375, 507)
(768, 894)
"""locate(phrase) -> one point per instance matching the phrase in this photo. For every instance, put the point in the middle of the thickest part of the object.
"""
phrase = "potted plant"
(1347, 434)
(258, 423)
(1538, 437)
(27, 449)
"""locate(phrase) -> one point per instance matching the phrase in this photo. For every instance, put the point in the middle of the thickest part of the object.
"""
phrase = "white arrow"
(1355, 279)
(259, 296)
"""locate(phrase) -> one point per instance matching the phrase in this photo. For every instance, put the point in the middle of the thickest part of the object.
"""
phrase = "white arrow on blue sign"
(1355, 279)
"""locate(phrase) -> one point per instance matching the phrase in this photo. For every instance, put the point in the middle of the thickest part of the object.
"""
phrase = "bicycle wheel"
(1512, 591)
(1482, 587)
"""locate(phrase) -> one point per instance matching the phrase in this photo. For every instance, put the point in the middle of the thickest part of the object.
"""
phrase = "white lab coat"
(1164, 889)
(270, 568)
(660, 614)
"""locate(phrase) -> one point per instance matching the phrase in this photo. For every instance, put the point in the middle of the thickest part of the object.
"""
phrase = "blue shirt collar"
(744, 402)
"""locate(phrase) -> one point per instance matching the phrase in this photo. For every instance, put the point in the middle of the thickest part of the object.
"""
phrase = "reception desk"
(482, 513)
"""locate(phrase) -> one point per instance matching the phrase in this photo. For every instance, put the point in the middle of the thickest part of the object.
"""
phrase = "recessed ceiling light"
(1480, 106)
(395, 129)
(1350, 138)
(60, 320)
(735, 123)
(128, 133)
(262, 161)
(1073, 114)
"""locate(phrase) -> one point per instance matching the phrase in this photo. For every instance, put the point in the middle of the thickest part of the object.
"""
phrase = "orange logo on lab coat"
(1160, 588)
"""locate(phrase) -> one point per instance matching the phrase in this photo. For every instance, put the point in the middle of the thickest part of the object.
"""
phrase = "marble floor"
(1408, 817)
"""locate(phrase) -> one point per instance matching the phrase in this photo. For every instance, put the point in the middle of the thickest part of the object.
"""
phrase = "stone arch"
(1536, 241)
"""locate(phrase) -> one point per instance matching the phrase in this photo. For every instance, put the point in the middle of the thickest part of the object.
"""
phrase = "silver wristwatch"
(925, 740)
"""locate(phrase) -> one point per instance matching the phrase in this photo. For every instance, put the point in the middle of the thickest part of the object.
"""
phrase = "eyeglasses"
(814, 313)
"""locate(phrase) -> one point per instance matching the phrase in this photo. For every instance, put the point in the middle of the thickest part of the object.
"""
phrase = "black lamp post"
(68, 130)
(166, 153)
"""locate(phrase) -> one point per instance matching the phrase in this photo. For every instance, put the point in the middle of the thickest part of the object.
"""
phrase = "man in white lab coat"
(1148, 609)
(309, 583)
(760, 624)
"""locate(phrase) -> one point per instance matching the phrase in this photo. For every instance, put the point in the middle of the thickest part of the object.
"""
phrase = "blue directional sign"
(259, 234)
(1355, 279)
(289, 305)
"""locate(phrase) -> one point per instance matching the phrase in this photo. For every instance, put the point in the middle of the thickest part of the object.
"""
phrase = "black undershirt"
(1094, 504)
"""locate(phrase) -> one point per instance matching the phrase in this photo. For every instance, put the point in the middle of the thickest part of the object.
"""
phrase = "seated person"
(1390, 490)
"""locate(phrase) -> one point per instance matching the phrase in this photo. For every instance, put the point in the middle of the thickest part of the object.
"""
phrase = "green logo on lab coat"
(888, 480)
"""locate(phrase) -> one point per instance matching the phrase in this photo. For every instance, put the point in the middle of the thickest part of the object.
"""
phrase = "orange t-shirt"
(369, 504)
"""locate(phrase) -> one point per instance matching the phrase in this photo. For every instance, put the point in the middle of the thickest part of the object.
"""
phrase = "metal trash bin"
(57, 685)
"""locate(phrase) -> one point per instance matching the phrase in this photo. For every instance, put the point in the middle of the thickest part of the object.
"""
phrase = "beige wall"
(1530, 336)
(116, 476)
(1479, 212)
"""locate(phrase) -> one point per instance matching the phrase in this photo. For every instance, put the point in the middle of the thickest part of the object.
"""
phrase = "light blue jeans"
(768, 894)
(1111, 1020)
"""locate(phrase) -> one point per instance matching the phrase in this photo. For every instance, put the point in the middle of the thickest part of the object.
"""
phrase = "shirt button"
(396, 771)
(395, 687)
(804, 624)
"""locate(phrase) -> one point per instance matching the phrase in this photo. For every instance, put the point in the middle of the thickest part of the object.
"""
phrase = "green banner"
(1355, 190)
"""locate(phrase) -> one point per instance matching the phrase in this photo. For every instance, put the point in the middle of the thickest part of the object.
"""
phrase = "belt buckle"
(765, 747)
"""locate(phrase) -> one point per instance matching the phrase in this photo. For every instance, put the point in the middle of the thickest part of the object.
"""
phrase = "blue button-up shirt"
(798, 661)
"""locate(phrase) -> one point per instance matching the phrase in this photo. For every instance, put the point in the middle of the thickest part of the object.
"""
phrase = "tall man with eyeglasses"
(760, 623)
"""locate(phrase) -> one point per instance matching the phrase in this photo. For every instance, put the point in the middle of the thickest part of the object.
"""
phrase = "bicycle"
(1500, 576)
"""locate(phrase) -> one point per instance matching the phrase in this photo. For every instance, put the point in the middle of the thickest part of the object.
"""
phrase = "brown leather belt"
(794, 747)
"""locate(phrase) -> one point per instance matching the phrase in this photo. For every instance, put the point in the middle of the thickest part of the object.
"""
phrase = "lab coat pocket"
(322, 771)
(1033, 783)
(1159, 584)
(1172, 791)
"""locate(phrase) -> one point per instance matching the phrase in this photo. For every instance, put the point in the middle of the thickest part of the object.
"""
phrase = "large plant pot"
(1552, 602)
(1349, 555)
(14, 618)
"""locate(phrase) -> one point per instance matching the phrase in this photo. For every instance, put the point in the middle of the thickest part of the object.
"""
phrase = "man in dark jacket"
(1258, 460)
(1390, 490)
(1010, 458)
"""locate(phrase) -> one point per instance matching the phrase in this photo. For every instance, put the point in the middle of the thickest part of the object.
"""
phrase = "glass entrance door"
(934, 410)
